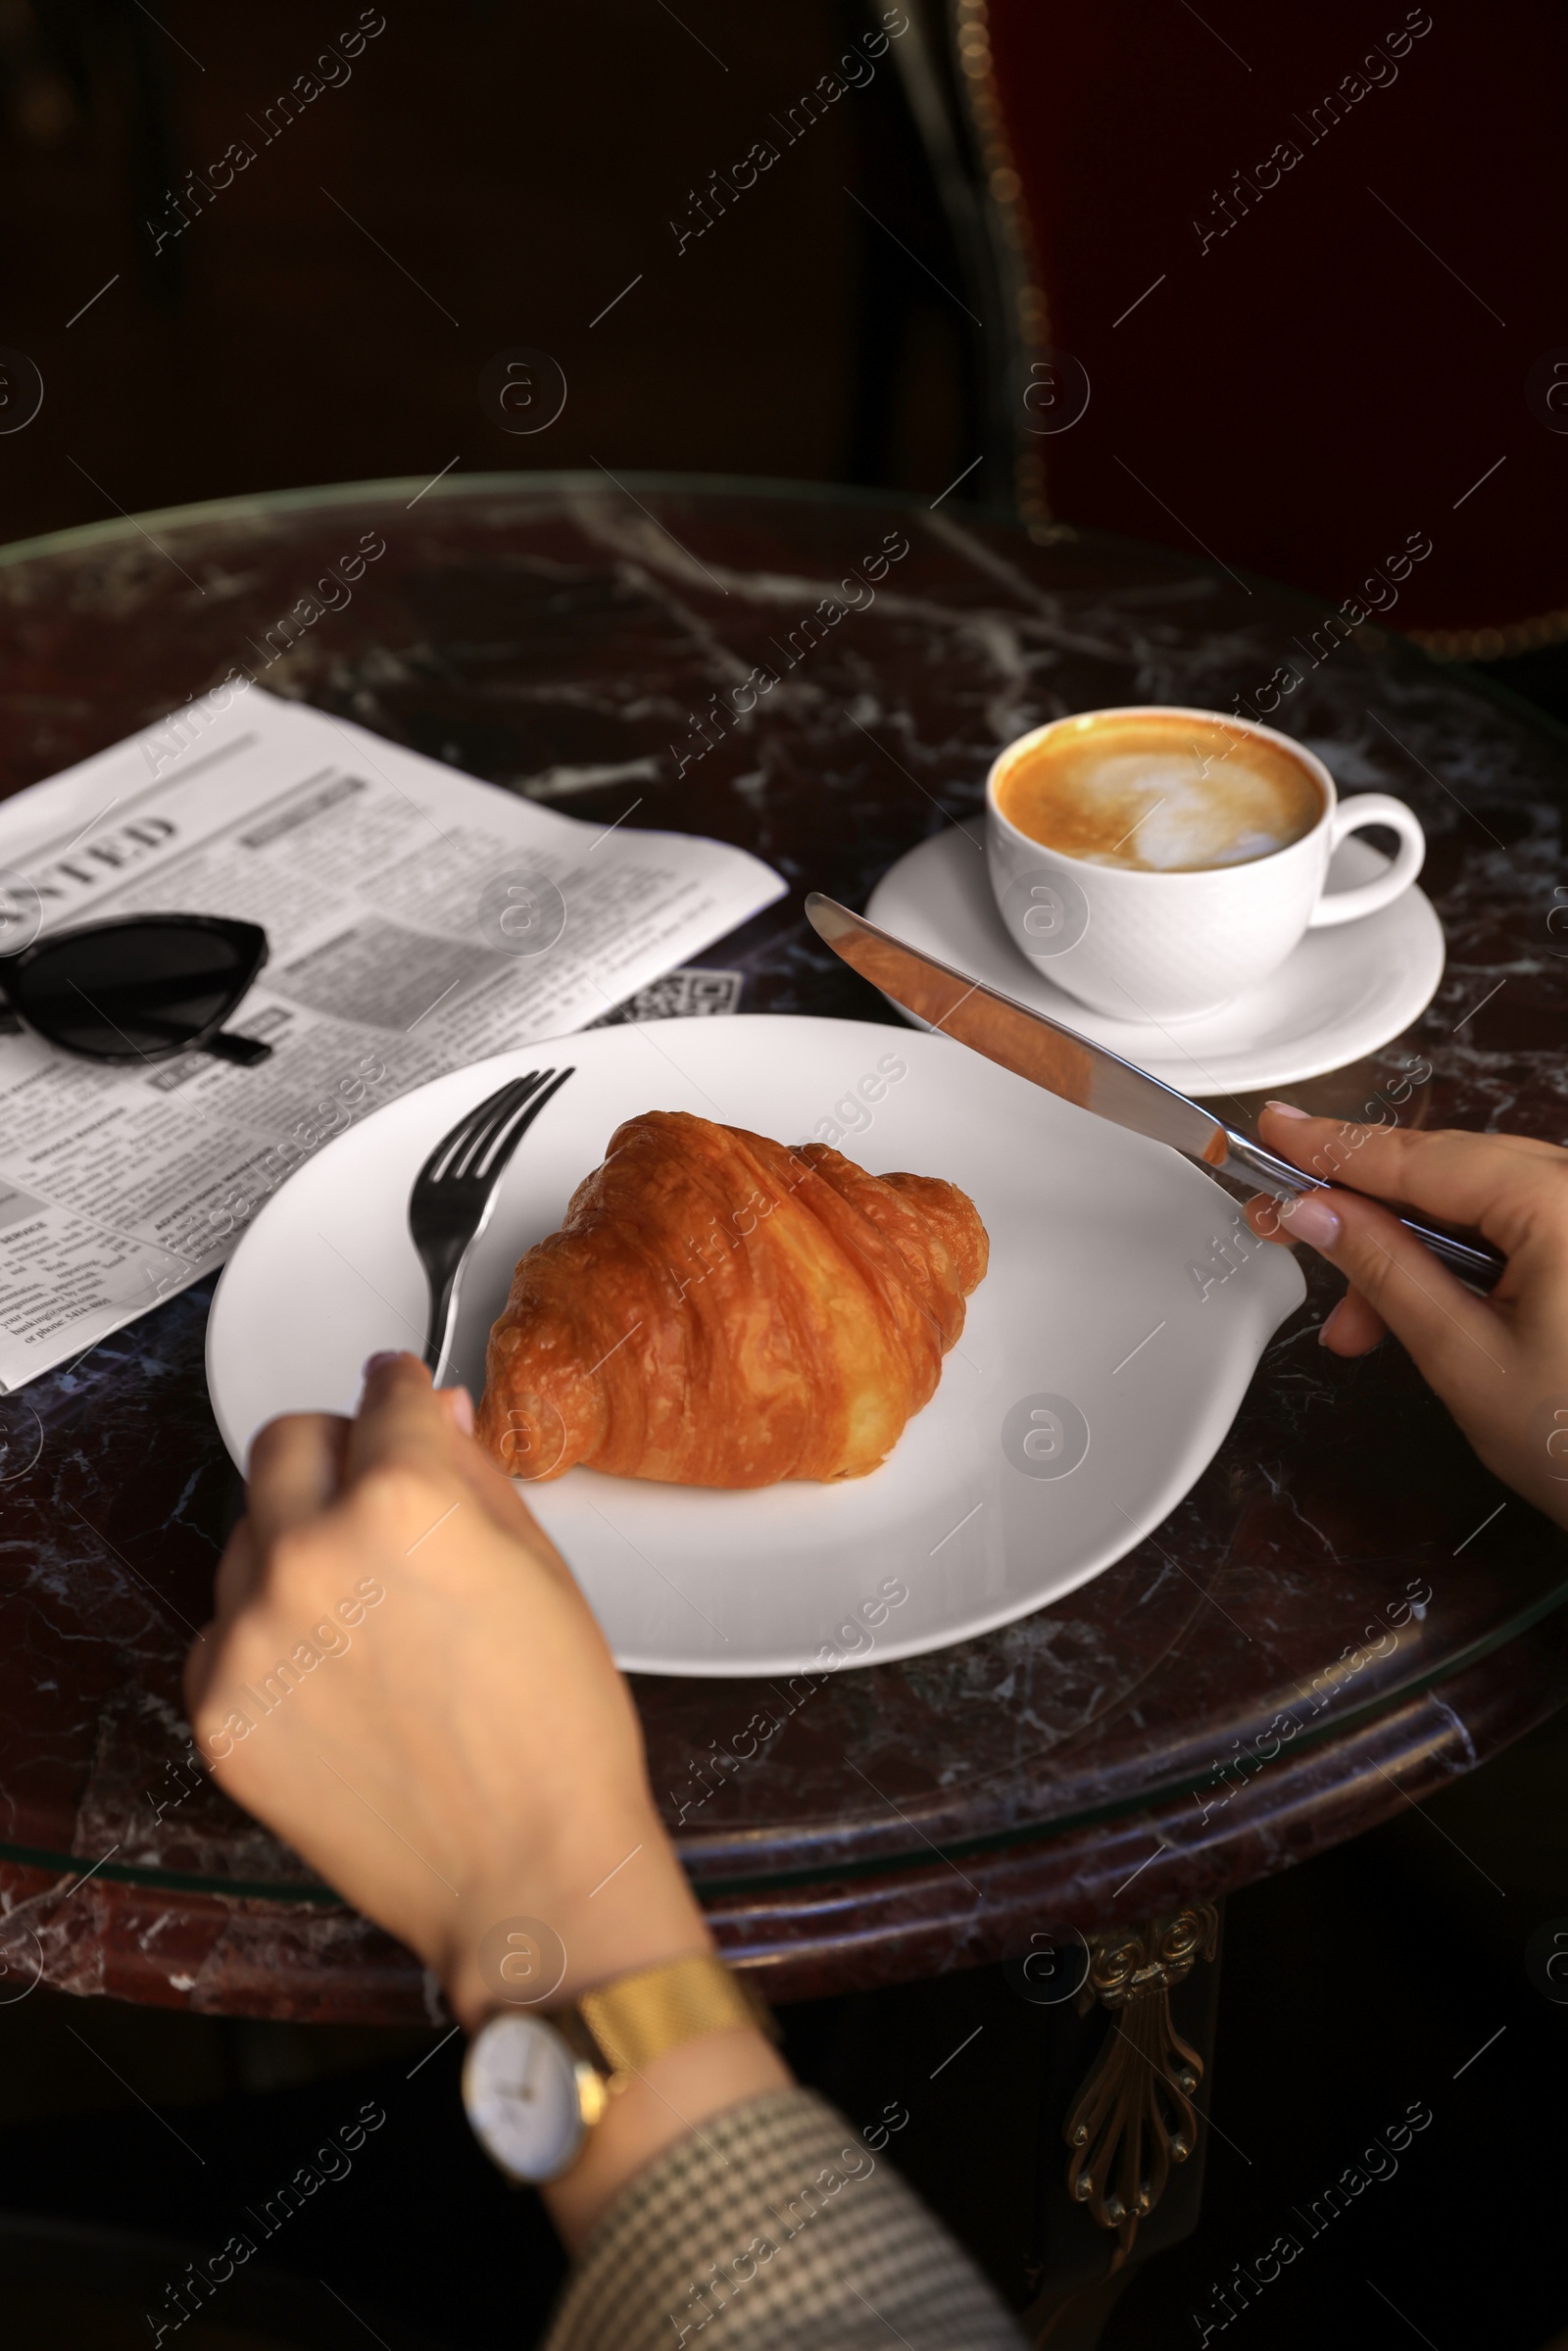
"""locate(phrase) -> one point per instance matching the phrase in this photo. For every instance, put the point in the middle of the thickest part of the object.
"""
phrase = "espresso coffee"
(1159, 793)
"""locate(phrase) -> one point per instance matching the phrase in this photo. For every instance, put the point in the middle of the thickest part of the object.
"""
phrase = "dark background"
(508, 171)
(521, 165)
(486, 176)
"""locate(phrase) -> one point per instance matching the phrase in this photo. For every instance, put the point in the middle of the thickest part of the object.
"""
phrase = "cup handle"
(1371, 807)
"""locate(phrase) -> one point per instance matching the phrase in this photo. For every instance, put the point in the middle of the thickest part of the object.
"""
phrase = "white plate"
(1094, 1235)
(1342, 993)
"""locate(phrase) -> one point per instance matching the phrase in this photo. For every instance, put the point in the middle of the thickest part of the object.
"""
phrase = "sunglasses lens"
(123, 995)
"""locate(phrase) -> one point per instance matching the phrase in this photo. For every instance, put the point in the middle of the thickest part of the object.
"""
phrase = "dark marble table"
(1346, 1610)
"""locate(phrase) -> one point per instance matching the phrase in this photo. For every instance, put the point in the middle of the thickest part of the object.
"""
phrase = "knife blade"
(1090, 1076)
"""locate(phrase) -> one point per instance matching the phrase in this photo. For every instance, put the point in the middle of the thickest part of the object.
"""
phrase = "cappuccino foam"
(1160, 795)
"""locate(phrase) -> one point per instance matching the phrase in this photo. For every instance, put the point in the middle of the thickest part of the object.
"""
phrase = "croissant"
(721, 1310)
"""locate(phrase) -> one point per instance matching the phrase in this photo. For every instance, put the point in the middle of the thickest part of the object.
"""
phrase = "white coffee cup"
(1169, 946)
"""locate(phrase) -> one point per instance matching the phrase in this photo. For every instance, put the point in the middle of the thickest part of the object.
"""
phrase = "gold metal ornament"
(1134, 2115)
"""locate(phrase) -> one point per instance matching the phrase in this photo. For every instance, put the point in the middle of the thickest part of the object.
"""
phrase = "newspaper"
(417, 921)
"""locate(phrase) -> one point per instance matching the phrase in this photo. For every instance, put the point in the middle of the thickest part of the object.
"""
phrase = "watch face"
(519, 2086)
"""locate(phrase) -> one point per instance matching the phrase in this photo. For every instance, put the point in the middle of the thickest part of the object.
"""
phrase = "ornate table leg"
(1134, 2117)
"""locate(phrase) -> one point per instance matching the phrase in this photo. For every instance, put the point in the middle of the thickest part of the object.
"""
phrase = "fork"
(456, 1190)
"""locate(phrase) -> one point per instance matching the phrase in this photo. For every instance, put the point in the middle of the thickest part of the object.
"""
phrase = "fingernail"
(379, 1360)
(1313, 1221)
(1287, 1109)
(1328, 1323)
(462, 1408)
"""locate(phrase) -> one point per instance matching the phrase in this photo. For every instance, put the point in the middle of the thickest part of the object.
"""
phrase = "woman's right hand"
(1501, 1364)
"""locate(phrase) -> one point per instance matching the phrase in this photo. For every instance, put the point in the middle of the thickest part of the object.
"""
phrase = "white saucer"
(1342, 993)
(1105, 1321)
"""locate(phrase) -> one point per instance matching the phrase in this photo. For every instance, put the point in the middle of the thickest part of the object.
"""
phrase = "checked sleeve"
(775, 2227)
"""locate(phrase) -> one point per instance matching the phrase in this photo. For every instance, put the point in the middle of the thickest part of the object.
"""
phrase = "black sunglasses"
(139, 987)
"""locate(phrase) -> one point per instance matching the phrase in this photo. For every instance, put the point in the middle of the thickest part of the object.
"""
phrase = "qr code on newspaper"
(679, 996)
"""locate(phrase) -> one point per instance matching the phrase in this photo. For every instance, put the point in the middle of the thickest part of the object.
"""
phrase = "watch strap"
(636, 2018)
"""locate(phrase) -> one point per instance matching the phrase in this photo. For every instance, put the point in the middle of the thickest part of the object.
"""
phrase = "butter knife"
(1088, 1075)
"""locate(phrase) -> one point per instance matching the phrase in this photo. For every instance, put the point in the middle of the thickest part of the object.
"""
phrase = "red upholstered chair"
(1306, 268)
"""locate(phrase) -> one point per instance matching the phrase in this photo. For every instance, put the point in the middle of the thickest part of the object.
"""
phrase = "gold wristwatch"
(535, 2085)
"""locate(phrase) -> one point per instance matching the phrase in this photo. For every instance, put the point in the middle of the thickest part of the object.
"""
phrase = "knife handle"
(1479, 1268)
